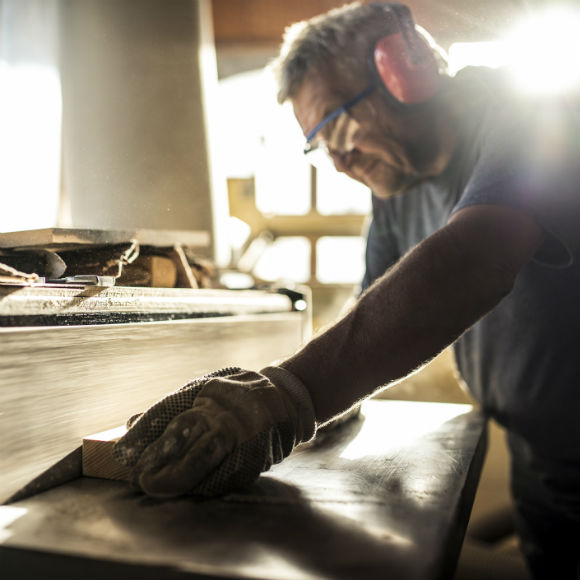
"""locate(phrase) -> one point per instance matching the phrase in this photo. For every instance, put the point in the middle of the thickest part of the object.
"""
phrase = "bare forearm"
(406, 318)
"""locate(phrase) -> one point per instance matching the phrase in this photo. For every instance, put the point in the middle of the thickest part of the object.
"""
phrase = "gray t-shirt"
(521, 360)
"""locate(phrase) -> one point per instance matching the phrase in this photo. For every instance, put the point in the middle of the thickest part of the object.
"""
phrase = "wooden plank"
(98, 455)
(154, 271)
(69, 237)
(28, 301)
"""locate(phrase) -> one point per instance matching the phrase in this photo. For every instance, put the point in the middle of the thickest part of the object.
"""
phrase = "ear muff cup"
(411, 77)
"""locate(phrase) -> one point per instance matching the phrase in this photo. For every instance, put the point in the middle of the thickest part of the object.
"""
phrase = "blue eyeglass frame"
(336, 113)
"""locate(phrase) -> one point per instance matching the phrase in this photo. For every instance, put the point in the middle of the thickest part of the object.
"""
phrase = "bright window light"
(542, 52)
(239, 127)
(282, 177)
(462, 54)
(339, 194)
(287, 258)
(260, 138)
(238, 232)
(30, 138)
(340, 259)
(545, 52)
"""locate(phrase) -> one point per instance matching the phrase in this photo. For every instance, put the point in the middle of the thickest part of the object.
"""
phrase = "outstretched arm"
(417, 308)
(221, 431)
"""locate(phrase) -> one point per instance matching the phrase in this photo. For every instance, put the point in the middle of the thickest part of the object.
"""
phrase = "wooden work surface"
(387, 495)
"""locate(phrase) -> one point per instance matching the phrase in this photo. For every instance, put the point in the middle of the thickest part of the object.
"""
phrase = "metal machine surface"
(79, 359)
(384, 495)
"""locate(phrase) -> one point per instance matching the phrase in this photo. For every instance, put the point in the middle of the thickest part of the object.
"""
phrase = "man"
(474, 242)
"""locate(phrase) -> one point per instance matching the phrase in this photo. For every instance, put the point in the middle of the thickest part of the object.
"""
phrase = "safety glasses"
(339, 127)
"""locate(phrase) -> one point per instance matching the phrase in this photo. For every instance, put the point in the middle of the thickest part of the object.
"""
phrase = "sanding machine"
(88, 340)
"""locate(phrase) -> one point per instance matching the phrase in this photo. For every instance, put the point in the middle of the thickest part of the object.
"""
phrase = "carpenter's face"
(383, 146)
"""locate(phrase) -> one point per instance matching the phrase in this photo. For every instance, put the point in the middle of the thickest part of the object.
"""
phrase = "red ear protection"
(406, 64)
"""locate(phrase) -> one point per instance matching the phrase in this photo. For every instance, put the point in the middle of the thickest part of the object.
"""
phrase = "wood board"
(98, 455)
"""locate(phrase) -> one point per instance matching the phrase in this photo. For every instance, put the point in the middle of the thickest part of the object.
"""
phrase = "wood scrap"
(98, 455)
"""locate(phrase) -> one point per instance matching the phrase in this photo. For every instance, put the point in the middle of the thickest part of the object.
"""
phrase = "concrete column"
(136, 81)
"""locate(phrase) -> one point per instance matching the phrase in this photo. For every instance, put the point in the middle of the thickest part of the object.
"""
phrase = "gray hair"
(342, 39)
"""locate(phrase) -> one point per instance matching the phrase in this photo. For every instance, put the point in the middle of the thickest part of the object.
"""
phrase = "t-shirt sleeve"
(529, 159)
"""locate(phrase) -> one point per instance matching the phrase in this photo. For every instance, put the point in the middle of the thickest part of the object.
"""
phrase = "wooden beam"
(262, 21)
(98, 455)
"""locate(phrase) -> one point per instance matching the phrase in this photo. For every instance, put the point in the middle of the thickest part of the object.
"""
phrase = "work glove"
(217, 433)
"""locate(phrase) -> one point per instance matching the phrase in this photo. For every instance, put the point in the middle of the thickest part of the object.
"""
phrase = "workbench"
(386, 494)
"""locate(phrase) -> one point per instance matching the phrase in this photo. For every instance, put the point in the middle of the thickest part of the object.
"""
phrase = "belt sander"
(82, 350)
(386, 494)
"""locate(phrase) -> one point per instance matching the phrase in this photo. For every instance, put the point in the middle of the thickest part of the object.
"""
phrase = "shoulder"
(528, 159)
(506, 116)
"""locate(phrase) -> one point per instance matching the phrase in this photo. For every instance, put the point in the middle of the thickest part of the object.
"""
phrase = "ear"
(411, 79)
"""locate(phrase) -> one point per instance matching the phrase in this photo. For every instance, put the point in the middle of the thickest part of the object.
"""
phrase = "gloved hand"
(217, 433)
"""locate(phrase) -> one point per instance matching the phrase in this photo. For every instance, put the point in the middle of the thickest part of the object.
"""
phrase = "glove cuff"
(296, 390)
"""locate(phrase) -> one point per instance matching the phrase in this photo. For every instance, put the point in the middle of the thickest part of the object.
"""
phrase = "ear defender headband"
(404, 62)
